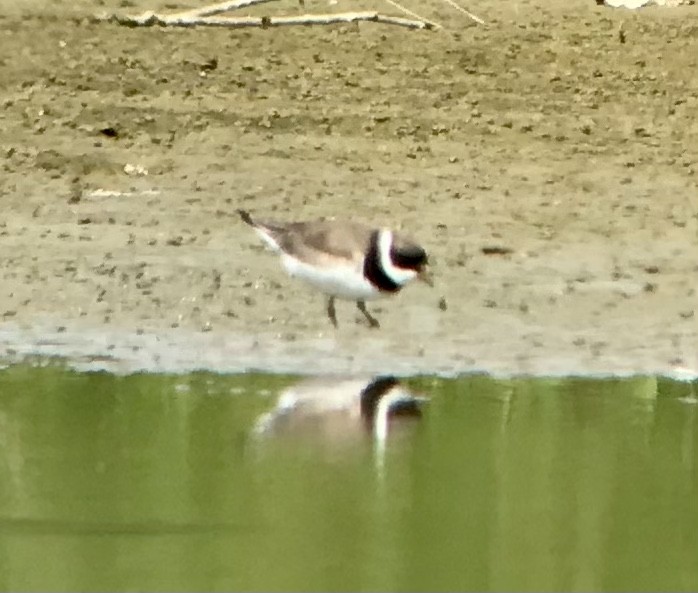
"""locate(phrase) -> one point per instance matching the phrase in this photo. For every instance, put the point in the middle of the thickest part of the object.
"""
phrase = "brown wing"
(318, 240)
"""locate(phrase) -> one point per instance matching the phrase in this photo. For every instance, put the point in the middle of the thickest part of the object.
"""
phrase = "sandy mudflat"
(540, 134)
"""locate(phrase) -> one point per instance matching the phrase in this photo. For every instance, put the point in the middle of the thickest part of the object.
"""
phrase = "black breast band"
(373, 270)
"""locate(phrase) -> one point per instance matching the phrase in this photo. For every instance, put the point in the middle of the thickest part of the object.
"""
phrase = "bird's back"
(318, 241)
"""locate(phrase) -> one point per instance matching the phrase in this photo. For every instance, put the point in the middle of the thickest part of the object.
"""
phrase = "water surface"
(158, 482)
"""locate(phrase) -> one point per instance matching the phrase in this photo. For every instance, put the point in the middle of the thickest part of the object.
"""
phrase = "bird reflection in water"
(342, 408)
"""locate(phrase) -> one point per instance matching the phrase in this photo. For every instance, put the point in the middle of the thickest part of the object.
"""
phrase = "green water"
(155, 483)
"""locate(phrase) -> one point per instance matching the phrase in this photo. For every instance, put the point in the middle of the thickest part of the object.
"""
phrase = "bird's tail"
(261, 225)
(268, 232)
(245, 215)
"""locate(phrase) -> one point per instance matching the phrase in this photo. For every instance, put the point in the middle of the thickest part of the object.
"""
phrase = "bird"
(341, 407)
(345, 259)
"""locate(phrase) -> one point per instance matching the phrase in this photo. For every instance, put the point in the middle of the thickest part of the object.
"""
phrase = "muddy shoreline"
(176, 352)
(549, 170)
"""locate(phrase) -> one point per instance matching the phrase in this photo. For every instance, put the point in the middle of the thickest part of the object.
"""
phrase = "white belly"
(342, 281)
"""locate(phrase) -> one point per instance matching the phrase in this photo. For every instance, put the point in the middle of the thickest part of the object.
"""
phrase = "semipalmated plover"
(341, 407)
(345, 260)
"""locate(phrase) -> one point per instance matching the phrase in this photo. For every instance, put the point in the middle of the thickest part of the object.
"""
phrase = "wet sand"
(549, 170)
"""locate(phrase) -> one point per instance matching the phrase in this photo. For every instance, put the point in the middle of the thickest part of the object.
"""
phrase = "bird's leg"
(372, 321)
(331, 313)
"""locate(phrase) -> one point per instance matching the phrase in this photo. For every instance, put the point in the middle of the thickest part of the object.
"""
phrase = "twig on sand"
(413, 14)
(150, 19)
(213, 9)
(207, 16)
(459, 8)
